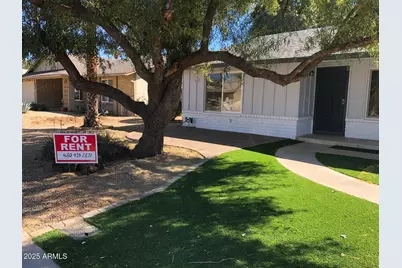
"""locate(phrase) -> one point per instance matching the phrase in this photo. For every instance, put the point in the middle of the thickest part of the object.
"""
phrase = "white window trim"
(78, 100)
(368, 88)
(241, 95)
(105, 101)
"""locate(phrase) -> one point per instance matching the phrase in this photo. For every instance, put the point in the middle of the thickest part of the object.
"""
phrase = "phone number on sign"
(77, 155)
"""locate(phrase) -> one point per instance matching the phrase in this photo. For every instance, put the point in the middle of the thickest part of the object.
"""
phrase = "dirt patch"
(49, 197)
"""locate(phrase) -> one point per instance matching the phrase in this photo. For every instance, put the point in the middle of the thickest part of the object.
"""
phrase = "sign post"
(75, 148)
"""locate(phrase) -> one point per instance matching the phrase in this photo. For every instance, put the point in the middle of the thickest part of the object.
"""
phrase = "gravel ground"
(50, 197)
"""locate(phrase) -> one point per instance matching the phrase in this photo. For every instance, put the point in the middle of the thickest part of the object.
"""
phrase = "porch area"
(340, 141)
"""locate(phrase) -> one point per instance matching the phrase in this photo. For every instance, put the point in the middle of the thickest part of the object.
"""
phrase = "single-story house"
(48, 83)
(339, 97)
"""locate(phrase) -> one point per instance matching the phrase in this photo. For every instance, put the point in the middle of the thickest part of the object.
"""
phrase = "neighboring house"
(339, 97)
(50, 85)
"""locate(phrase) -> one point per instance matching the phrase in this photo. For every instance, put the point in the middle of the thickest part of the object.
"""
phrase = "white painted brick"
(362, 129)
(271, 126)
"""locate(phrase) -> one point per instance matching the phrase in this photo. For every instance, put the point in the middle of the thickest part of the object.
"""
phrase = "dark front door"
(330, 100)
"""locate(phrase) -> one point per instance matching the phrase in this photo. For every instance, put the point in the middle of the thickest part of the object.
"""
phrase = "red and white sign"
(75, 148)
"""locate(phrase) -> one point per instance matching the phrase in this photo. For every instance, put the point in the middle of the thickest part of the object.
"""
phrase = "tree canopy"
(164, 37)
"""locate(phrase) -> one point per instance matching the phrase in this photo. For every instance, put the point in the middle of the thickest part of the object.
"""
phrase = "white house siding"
(357, 123)
(28, 90)
(306, 105)
(267, 108)
(140, 89)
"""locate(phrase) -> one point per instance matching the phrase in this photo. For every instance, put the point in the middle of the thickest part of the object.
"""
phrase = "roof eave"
(299, 59)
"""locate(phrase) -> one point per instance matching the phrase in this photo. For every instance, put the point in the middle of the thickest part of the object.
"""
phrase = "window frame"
(223, 77)
(80, 94)
(101, 96)
(367, 116)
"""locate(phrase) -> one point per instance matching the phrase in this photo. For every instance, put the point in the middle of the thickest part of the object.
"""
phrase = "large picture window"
(373, 103)
(223, 92)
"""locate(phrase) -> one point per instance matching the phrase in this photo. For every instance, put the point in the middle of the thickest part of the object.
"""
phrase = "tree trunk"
(91, 118)
(159, 115)
(151, 141)
(91, 113)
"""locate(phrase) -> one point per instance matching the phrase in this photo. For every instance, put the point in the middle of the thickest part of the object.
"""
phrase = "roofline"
(51, 74)
(34, 65)
(299, 59)
(41, 58)
(45, 77)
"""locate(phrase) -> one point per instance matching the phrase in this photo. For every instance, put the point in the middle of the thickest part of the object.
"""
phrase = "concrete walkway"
(300, 159)
(209, 143)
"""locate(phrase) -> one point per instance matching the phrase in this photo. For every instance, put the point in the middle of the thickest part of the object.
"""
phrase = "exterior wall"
(73, 105)
(66, 91)
(270, 109)
(28, 90)
(357, 125)
(267, 108)
(110, 106)
(126, 84)
(362, 129)
(306, 105)
(255, 124)
(123, 82)
(141, 89)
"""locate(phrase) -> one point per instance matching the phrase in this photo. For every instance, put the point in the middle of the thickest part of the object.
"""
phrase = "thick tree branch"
(282, 79)
(79, 11)
(85, 85)
(207, 25)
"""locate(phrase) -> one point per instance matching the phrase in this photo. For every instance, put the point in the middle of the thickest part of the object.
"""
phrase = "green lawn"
(242, 209)
(359, 168)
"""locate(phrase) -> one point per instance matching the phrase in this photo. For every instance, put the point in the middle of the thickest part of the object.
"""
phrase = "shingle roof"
(289, 45)
(110, 67)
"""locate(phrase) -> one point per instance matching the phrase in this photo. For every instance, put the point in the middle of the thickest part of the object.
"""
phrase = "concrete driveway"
(209, 143)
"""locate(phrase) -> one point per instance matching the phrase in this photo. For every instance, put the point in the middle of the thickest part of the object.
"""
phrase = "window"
(223, 92)
(78, 95)
(105, 98)
(373, 103)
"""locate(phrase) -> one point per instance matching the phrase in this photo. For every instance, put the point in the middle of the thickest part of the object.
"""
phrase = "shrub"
(38, 107)
(26, 106)
(109, 148)
(47, 149)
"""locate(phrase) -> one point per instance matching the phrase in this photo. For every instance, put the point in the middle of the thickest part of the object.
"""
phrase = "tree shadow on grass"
(349, 162)
(222, 212)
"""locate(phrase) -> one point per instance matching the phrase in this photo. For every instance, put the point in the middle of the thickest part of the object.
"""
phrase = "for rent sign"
(75, 148)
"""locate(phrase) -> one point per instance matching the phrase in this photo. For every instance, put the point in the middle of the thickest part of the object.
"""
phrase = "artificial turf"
(241, 209)
(355, 149)
(359, 168)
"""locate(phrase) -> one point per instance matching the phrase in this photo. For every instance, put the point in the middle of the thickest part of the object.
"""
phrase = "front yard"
(359, 168)
(50, 197)
(241, 209)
